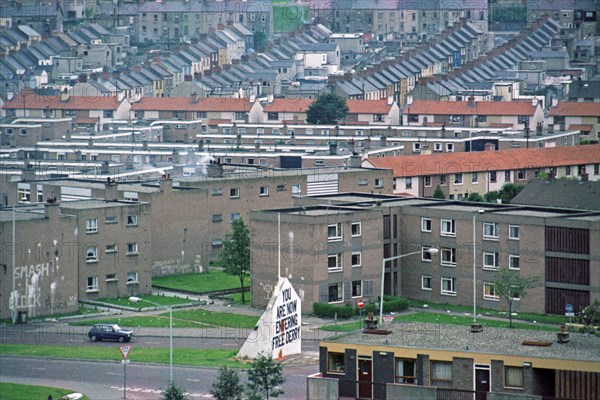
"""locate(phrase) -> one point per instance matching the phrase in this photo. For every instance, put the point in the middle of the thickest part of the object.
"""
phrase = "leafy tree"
(510, 286)
(264, 377)
(227, 386)
(509, 191)
(174, 392)
(327, 109)
(590, 316)
(235, 255)
(474, 196)
(438, 193)
(260, 39)
(492, 196)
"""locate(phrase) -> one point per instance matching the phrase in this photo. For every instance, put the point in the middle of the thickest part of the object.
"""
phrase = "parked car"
(109, 332)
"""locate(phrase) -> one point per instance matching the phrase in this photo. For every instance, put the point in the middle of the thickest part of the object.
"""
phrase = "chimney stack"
(111, 192)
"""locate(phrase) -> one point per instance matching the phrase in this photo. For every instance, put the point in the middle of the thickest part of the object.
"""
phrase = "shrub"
(390, 304)
(328, 311)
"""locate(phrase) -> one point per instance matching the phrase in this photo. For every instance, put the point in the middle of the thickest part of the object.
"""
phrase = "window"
(427, 181)
(111, 219)
(458, 179)
(490, 260)
(234, 193)
(567, 171)
(378, 182)
(448, 227)
(110, 248)
(91, 254)
(490, 230)
(450, 147)
(521, 174)
(334, 232)
(132, 220)
(356, 259)
(425, 254)
(132, 249)
(489, 291)
(356, 288)
(335, 293)
(111, 278)
(493, 176)
(217, 191)
(264, 191)
(91, 225)
(441, 371)
(132, 277)
(507, 176)
(514, 232)
(474, 177)
(408, 182)
(356, 229)
(363, 182)
(296, 190)
(442, 180)
(336, 362)
(334, 262)
(24, 195)
(449, 286)
(425, 224)
(448, 257)
(235, 216)
(92, 284)
(406, 371)
(217, 217)
(272, 116)
(426, 282)
(281, 188)
(513, 261)
(416, 147)
(513, 377)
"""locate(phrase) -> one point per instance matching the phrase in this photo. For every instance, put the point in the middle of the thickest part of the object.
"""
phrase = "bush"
(392, 304)
(328, 311)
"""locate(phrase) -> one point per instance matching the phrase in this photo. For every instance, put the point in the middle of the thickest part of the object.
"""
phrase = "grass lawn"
(541, 318)
(162, 300)
(236, 298)
(287, 17)
(195, 357)
(181, 319)
(11, 391)
(210, 281)
(438, 318)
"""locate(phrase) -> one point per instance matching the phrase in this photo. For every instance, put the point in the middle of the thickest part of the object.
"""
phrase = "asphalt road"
(104, 380)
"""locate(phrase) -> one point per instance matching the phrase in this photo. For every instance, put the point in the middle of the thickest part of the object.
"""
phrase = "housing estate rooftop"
(459, 340)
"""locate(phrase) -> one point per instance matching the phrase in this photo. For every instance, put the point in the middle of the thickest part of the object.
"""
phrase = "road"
(104, 380)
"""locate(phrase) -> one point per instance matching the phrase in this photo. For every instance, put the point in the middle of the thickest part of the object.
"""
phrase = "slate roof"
(560, 193)
(584, 89)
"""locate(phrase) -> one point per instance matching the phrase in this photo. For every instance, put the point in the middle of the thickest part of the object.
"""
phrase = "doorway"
(482, 381)
(365, 378)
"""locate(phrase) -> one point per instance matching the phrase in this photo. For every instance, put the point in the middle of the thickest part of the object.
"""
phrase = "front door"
(482, 381)
(365, 379)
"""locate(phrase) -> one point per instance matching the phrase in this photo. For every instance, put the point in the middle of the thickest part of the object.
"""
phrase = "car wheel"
(121, 339)
(93, 338)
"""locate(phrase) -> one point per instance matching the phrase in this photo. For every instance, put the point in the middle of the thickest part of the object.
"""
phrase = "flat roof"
(457, 338)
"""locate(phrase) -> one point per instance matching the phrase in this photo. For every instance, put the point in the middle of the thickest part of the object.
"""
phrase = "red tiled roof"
(368, 106)
(33, 101)
(447, 163)
(576, 109)
(86, 120)
(288, 105)
(187, 104)
(218, 121)
(434, 107)
(581, 127)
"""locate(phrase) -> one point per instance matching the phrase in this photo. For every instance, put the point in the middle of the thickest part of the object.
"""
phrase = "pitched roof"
(435, 107)
(368, 106)
(288, 105)
(34, 101)
(447, 163)
(560, 193)
(576, 109)
(186, 104)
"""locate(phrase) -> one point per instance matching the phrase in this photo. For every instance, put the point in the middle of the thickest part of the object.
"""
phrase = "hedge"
(329, 311)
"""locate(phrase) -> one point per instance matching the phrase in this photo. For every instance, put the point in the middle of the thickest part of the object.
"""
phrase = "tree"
(327, 109)
(509, 191)
(590, 316)
(174, 392)
(260, 39)
(510, 286)
(264, 377)
(474, 196)
(227, 386)
(491, 197)
(438, 193)
(235, 255)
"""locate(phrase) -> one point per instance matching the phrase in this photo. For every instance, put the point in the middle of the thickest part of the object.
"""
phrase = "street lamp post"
(137, 300)
(430, 251)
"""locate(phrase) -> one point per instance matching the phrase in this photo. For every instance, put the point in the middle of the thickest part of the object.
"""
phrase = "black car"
(109, 332)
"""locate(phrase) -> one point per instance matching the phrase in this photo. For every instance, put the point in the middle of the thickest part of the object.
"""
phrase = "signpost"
(125, 361)
(569, 311)
(388, 318)
(360, 306)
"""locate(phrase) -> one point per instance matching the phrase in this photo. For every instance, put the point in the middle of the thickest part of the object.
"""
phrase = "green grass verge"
(438, 318)
(539, 318)
(287, 18)
(181, 319)
(236, 298)
(11, 391)
(209, 281)
(195, 357)
(162, 300)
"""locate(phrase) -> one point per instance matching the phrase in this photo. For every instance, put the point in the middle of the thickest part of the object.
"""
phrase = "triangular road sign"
(125, 351)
